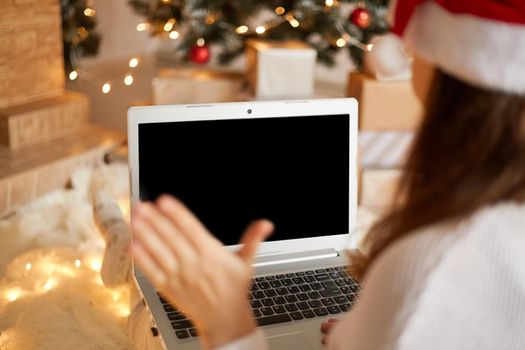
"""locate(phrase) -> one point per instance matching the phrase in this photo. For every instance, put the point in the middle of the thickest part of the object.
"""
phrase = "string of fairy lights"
(39, 274)
(50, 274)
(106, 85)
(171, 32)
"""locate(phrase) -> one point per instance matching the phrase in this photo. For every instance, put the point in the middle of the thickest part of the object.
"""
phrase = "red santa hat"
(481, 42)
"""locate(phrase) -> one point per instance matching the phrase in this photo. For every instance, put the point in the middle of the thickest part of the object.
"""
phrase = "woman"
(445, 268)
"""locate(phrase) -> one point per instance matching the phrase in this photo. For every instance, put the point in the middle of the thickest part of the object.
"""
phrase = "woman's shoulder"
(497, 235)
(502, 217)
(492, 231)
(478, 278)
(447, 274)
(491, 226)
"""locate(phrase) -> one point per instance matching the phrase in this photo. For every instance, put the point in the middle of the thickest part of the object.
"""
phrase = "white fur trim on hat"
(482, 52)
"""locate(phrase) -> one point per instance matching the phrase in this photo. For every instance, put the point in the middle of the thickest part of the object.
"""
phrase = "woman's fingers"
(155, 247)
(164, 234)
(324, 340)
(147, 265)
(187, 223)
(166, 231)
(256, 232)
(326, 327)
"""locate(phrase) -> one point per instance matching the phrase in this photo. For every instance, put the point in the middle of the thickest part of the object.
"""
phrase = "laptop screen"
(293, 171)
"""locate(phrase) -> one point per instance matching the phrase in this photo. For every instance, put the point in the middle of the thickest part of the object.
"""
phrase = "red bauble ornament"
(360, 17)
(200, 54)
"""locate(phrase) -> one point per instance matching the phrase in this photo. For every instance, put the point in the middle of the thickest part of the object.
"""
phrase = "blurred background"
(72, 68)
(101, 37)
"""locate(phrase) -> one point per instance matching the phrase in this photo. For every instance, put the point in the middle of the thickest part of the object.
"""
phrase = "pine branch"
(216, 21)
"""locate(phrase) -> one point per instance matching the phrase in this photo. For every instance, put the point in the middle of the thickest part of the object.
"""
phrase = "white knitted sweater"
(449, 286)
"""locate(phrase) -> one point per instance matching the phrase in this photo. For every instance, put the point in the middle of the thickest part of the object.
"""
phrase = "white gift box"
(382, 155)
(189, 85)
(280, 69)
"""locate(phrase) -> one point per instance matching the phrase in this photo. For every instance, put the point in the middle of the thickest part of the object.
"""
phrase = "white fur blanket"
(51, 294)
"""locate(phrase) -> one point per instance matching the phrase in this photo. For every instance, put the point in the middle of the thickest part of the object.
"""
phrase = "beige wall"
(116, 24)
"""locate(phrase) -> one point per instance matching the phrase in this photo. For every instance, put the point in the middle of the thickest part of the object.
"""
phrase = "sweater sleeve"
(390, 295)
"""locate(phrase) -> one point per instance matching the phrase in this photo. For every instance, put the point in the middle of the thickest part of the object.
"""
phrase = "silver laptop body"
(308, 188)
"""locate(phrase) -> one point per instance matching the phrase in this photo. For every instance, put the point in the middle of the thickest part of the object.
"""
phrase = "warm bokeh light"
(280, 10)
(13, 294)
(106, 88)
(242, 29)
(82, 33)
(124, 310)
(142, 27)
(51, 273)
(260, 30)
(174, 35)
(89, 12)
(329, 3)
(133, 62)
(169, 25)
(50, 268)
(50, 284)
(73, 75)
(201, 42)
(340, 42)
(96, 265)
(128, 79)
(293, 22)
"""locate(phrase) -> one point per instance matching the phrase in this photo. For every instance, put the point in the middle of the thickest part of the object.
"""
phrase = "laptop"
(292, 162)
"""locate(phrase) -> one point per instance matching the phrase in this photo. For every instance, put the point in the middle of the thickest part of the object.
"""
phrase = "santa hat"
(481, 42)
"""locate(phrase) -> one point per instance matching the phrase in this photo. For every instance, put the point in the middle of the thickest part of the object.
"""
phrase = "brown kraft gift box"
(385, 105)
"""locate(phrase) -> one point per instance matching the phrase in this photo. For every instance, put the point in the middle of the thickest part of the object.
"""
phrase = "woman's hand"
(193, 269)
(326, 328)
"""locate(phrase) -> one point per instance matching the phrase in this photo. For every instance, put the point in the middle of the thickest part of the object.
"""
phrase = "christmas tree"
(326, 25)
(78, 29)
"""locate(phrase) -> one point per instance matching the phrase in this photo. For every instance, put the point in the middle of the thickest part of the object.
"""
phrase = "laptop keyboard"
(286, 298)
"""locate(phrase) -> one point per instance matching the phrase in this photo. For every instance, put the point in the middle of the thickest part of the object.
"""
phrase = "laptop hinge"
(295, 257)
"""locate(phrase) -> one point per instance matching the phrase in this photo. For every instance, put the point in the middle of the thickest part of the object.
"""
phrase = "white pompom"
(387, 59)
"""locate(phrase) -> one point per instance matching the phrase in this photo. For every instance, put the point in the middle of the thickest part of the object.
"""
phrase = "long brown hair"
(469, 152)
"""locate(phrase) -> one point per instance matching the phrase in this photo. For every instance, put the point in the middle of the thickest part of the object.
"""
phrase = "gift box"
(381, 157)
(378, 189)
(385, 105)
(280, 69)
(191, 85)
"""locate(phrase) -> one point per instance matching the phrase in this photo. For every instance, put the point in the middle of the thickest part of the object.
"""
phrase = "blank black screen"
(293, 171)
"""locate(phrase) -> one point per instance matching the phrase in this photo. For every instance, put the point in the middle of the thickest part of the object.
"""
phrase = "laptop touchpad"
(289, 341)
